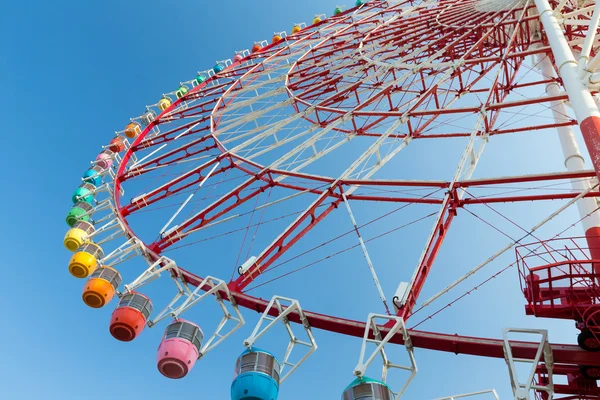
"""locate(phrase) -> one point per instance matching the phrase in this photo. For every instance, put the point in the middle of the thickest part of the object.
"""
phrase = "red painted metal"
(213, 212)
(431, 250)
(590, 129)
(304, 223)
(398, 31)
(577, 387)
(182, 152)
(592, 236)
(457, 344)
(313, 83)
(177, 185)
(559, 279)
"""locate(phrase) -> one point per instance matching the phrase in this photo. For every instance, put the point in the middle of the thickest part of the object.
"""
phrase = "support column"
(573, 162)
(587, 114)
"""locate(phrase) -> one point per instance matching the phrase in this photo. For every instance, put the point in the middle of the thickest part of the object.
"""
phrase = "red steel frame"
(578, 388)
(559, 281)
(329, 108)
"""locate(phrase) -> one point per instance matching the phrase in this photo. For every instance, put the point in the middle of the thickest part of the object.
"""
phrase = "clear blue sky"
(70, 74)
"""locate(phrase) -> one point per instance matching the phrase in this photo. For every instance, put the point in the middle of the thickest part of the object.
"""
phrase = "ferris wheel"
(323, 172)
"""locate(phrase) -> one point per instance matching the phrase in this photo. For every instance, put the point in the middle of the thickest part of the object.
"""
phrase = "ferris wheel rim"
(458, 344)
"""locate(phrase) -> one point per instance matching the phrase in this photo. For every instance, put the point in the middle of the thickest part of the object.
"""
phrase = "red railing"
(560, 280)
(576, 386)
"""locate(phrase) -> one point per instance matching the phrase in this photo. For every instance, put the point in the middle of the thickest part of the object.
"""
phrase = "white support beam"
(154, 270)
(373, 330)
(164, 228)
(127, 250)
(479, 394)
(209, 287)
(568, 68)
(284, 307)
(366, 254)
(522, 389)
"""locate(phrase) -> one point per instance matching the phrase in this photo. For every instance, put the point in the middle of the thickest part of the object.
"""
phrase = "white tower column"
(574, 161)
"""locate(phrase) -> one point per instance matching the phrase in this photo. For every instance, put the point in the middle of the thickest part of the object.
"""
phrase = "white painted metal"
(231, 217)
(262, 43)
(372, 329)
(573, 159)
(399, 295)
(592, 65)
(147, 156)
(208, 287)
(155, 271)
(464, 171)
(522, 390)
(105, 187)
(573, 162)
(472, 394)
(238, 103)
(394, 62)
(366, 254)
(182, 206)
(102, 174)
(560, 6)
(293, 306)
(584, 56)
(163, 264)
(112, 224)
(508, 246)
(100, 206)
(248, 117)
(243, 53)
(127, 250)
(115, 234)
(568, 68)
(246, 265)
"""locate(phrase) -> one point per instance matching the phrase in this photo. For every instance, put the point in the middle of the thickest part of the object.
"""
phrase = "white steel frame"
(302, 25)
(161, 265)
(282, 316)
(111, 225)
(522, 390)
(472, 394)
(124, 252)
(244, 53)
(175, 308)
(380, 342)
(365, 253)
(575, 74)
(570, 70)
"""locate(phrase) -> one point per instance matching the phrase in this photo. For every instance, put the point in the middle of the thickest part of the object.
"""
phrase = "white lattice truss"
(522, 390)
(278, 306)
(481, 394)
(186, 298)
(373, 335)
